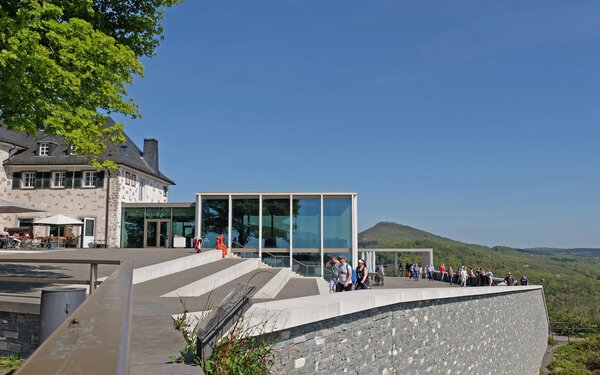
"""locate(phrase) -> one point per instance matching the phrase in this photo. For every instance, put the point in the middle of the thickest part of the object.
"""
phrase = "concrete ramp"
(211, 282)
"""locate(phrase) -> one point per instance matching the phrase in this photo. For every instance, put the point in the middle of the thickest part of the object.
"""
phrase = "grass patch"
(11, 363)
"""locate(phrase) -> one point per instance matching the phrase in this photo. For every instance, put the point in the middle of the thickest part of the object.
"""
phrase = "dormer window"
(44, 149)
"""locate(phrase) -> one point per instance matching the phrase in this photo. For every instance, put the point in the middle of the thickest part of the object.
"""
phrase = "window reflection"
(337, 223)
(244, 224)
(214, 220)
(276, 223)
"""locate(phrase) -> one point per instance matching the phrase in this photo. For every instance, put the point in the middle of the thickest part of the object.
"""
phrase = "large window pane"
(132, 228)
(214, 220)
(245, 220)
(307, 236)
(307, 223)
(276, 223)
(337, 223)
(184, 223)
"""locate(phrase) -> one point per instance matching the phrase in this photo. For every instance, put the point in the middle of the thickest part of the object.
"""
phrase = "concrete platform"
(159, 272)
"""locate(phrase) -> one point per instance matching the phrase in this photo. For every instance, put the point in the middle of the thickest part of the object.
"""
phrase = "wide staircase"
(196, 284)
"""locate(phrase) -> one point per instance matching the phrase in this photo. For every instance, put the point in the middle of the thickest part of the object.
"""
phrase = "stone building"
(42, 172)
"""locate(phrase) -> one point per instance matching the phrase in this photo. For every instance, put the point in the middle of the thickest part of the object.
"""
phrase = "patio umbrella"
(9, 207)
(58, 220)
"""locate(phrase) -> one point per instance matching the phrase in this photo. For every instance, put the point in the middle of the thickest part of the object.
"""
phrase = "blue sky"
(479, 121)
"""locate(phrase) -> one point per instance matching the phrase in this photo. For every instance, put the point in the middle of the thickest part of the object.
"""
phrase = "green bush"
(581, 357)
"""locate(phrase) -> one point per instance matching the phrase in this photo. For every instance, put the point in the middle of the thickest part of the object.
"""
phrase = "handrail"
(292, 260)
(95, 337)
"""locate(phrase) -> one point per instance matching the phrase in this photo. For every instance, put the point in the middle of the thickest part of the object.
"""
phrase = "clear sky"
(479, 121)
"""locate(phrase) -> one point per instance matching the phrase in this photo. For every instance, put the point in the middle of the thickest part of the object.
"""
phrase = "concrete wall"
(499, 330)
(19, 325)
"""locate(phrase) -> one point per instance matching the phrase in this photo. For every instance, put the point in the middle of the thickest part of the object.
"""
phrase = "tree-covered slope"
(571, 281)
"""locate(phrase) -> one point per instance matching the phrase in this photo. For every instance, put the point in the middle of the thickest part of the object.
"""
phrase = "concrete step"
(156, 287)
(214, 281)
(275, 285)
(156, 271)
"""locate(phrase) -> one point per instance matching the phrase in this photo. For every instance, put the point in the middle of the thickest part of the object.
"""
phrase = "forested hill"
(571, 280)
(388, 234)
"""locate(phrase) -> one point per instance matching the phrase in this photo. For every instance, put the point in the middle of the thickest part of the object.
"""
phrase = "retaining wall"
(498, 330)
(19, 326)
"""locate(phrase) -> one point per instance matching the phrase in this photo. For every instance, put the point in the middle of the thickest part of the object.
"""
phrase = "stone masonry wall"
(489, 334)
(19, 333)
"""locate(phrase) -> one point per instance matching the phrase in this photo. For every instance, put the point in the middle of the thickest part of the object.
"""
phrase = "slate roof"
(130, 156)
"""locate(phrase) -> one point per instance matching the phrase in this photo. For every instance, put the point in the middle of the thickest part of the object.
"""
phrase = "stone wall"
(491, 333)
(19, 333)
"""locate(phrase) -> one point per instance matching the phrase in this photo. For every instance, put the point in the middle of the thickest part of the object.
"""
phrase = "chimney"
(151, 152)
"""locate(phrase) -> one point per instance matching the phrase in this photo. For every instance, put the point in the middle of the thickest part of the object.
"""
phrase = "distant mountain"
(584, 251)
(389, 234)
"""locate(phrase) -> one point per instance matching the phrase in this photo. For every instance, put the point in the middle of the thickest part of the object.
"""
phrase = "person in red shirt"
(442, 272)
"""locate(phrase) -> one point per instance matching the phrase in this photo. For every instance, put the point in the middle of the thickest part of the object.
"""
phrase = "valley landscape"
(571, 277)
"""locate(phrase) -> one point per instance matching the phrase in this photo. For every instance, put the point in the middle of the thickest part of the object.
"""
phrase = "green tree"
(65, 64)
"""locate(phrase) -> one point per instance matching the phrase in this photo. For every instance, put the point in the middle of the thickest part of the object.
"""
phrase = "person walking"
(450, 274)
(443, 272)
(362, 274)
(344, 282)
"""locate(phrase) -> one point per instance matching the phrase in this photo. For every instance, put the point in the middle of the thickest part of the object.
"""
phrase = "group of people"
(8, 240)
(344, 277)
(464, 277)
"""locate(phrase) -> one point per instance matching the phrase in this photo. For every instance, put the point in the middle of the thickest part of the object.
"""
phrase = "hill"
(571, 280)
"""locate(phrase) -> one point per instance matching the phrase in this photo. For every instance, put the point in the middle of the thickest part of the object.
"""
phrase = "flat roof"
(256, 193)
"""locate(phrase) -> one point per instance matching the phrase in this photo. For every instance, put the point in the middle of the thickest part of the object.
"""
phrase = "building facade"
(42, 172)
(296, 230)
(299, 230)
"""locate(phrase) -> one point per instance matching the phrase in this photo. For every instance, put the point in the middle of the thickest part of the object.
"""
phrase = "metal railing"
(95, 338)
(221, 319)
(278, 261)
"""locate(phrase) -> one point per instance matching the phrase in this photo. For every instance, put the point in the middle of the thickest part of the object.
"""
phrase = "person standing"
(344, 282)
(509, 279)
(362, 274)
(463, 276)
(443, 272)
(451, 274)
(333, 265)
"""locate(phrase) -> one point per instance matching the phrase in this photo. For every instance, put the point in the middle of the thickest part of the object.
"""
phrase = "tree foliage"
(65, 64)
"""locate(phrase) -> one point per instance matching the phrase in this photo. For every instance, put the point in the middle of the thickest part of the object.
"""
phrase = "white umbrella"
(58, 220)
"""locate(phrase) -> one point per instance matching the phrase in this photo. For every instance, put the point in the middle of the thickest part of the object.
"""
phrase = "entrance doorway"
(157, 233)
(89, 230)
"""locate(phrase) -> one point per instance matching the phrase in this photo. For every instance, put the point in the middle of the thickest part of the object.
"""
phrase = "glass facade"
(245, 223)
(300, 231)
(215, 214)
(132, 227)
(158, 226)
(276, 224)
(284, 230)
(183, 224)
(306, 236)
(337, 223)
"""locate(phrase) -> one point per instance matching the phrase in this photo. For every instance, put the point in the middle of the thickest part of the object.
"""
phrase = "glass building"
(297, 230)
(158, 225)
